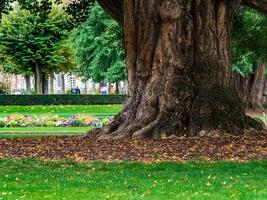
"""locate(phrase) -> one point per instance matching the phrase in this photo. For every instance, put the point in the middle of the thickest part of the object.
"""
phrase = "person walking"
(77, 90)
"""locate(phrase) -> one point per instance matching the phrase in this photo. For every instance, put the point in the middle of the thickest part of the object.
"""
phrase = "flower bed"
(53, 121)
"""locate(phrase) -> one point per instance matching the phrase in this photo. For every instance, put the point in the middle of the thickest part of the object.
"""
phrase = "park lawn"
(33, 179)
(44, 129)
(62, 110)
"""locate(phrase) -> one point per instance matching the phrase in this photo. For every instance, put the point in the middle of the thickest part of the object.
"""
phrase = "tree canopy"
(98, 43)
(29, 38)
(249, 42)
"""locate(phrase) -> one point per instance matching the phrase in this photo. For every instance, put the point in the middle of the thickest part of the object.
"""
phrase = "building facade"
(63, 84)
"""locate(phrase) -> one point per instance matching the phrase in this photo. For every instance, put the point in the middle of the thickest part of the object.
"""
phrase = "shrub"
(61, 99)
(105, 122)
(76, 123)
(17, 121)
(12, 123)
(49, 124)
(86, 120)
(4, 88)
(2, 123)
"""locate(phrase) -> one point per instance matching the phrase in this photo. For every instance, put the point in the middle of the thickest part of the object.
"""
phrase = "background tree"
(99, 50)
(33, 41)
(249, 55)
(5, 6)
(8, 65)
(79, 10)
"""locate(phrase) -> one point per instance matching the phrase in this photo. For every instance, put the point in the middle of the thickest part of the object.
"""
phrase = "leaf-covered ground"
(228, 148)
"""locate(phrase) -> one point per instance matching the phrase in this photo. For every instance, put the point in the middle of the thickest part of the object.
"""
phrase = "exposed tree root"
(154, 129)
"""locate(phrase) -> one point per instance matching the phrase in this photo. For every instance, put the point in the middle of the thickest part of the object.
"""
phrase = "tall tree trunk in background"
(38, 79)
(63, 86)
(45, 84)
(179, 71)
(93, 87)
(28, 84)
(51, 84)
(252, 88)
(117, 91)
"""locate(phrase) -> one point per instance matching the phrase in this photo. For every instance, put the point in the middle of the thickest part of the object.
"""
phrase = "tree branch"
(260, 5)
(114, 8)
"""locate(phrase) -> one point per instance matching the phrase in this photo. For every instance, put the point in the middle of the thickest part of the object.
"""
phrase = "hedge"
(61, 99)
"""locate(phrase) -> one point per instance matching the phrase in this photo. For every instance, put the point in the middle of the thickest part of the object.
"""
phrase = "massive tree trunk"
(38, 79)
(179, 71)
(252, 88)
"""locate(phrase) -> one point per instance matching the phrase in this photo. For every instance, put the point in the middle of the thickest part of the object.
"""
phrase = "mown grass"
(62, 110)
(44, 129)
(33, 179)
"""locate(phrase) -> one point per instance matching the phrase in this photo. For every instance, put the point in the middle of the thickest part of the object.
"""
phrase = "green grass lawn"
(44, 129)
(62, 110)
(32, 179)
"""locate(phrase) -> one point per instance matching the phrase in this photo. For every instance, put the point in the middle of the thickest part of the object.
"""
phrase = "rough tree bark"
(252, 88)
(179, 71)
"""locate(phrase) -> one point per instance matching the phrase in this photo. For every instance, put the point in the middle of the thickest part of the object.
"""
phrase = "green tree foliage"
(79, 10)
(29, 37)
(99, 48)
(249, 45)
(5, 6)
